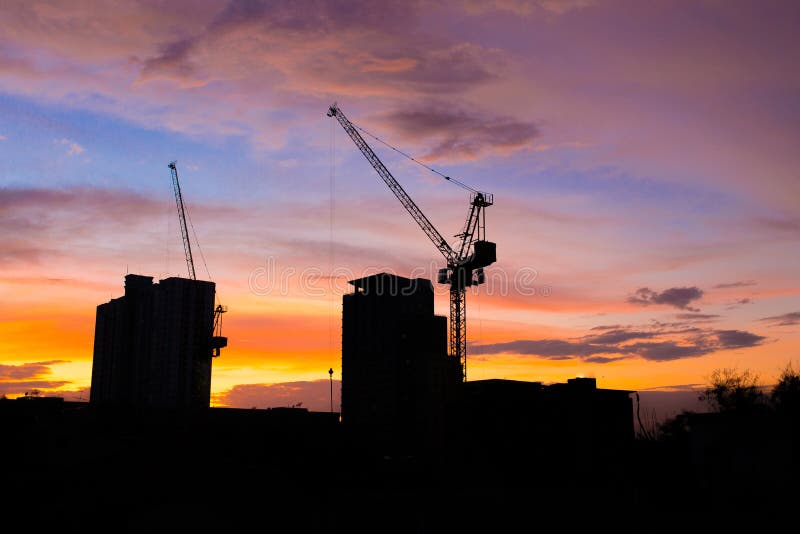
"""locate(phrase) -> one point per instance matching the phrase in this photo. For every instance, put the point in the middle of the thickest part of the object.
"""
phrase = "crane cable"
(170, 214)
(331, 251)
(480, 318)
(202, 256)
(197, 241)
(449, 179)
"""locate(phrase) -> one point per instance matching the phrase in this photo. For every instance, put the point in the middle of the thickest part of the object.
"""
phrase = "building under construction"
(153, 347)
(397, 378)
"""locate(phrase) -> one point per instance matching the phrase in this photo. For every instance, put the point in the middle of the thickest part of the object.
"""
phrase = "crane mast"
(187, 247)
(464, 264)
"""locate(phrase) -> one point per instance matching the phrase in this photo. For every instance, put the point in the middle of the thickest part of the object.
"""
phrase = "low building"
(574, 423)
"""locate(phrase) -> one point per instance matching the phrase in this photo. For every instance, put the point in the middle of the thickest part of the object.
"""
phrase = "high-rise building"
(397, 378)
(153, 346)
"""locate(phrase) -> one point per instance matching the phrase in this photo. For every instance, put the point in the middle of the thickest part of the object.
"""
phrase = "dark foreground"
(76, 470)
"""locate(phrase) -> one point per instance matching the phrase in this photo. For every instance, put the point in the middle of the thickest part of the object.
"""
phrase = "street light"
(330, 373)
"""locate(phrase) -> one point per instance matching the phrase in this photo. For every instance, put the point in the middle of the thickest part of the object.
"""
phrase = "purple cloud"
(654, 343)
(462, 134)
(617, 336)
(27, 370)
(679, 297)
(662, 351)
(737, 339)
(173, 62)
(18, 379)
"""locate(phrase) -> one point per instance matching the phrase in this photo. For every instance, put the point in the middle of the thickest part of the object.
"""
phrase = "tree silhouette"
(675, 428)
(786, 393)
(732, 390)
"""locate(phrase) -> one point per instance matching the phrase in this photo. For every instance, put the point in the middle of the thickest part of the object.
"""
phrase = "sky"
(643, 158)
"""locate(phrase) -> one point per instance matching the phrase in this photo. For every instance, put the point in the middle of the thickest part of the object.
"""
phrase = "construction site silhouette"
(416, 449)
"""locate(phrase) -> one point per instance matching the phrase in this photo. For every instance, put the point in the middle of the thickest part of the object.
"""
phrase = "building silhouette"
(573, 423)
(153, 346)
(402, 391)
(397, 378)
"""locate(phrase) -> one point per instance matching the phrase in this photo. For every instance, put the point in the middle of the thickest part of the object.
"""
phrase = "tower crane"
(465, 262)
(218, 341)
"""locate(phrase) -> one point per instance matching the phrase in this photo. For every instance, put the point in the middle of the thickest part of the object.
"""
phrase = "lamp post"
(330, 373)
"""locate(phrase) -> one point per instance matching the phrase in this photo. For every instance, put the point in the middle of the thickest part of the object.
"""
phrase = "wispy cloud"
(787, 319)
(738, 302)
(551, 349)
(697, 317)
(73, 148)
(39, 223)
(526, 8)
(729, 285)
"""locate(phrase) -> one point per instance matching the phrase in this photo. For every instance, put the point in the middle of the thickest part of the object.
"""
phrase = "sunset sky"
(644, 159)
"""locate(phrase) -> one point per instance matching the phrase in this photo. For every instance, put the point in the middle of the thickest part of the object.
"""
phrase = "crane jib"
(433, 234)
(187, 247)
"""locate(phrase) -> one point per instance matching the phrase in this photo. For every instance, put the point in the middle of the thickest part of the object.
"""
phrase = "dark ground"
(79, 471)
